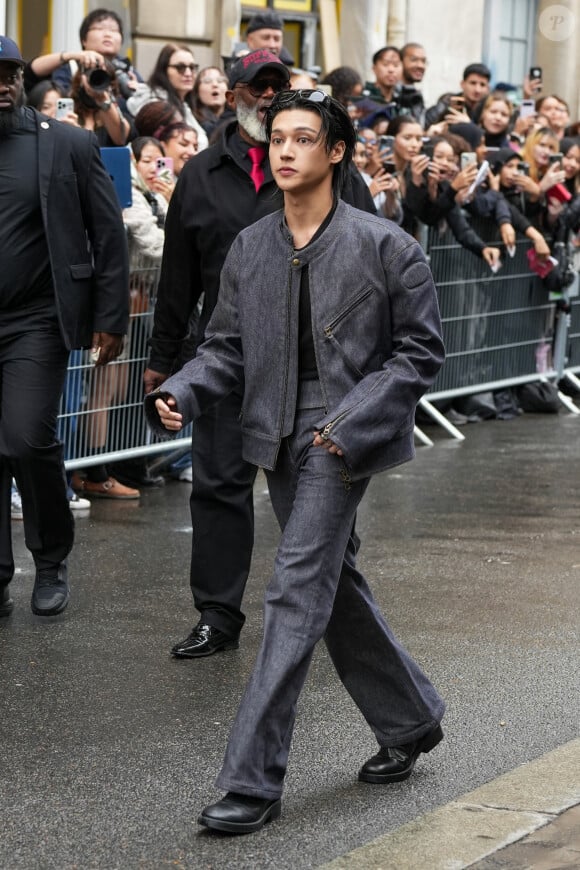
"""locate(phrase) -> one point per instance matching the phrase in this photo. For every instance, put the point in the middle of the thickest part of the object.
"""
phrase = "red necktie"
(256, 155)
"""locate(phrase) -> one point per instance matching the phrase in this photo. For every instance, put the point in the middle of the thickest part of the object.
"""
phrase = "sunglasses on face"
(182, 67)
(258, 87)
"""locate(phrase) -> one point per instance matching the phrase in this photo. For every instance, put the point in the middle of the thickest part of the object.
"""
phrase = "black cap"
(265, 21)
(247, 67)
(9, 51)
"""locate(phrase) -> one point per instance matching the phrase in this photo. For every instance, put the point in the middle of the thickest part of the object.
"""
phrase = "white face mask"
(249, 120)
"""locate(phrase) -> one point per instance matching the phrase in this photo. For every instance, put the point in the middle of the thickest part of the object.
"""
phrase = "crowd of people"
(378, 163)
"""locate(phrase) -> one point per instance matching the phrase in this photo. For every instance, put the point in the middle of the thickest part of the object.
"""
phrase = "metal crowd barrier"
(499, 330)
(101, 415)
(571, 349)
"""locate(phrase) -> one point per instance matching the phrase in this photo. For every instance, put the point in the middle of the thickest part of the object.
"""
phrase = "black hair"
(477, 69)
(336, 125)
(138, 144)
(398, 122)
(159, 80)
(407, 46)
(94, 17)
(342, 80)
(378, 54)
(569, 142)
(35, 96)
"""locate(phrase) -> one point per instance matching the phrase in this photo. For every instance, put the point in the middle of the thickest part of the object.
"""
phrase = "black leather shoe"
(204, 640)
(135, 473)
(240, 813)
(51, 591)
(396, 763)
(6, 603)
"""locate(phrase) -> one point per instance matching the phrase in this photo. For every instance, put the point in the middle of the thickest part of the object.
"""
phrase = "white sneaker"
(76, 503)
(16, 505)
(186, 474)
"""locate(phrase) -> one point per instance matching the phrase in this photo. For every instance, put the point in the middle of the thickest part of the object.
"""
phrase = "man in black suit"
(63, 285)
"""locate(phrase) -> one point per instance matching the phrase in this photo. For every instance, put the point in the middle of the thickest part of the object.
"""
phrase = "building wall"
(451, 31)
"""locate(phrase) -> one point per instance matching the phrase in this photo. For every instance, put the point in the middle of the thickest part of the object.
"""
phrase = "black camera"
(408, 98)
(101, 78)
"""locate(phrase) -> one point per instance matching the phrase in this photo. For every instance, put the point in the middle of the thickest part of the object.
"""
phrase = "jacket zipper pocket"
(328, 329)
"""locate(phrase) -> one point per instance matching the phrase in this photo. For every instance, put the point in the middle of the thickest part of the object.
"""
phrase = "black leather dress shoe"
(240, 813)
(51, 591)
(396, 763)
(135, 473)
(204, 640)
(6, 603)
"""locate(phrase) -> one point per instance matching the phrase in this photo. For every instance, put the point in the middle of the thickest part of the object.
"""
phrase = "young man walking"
(331, 377)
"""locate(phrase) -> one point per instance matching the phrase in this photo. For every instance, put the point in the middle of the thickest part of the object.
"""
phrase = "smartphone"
(467, 159)
(427, 147)
(523, 168)
(491, 153)
(64, 105)
(527, 108)
(386, 143)
(164, 168)
(535, 72)
(556, 158)
(389, 167)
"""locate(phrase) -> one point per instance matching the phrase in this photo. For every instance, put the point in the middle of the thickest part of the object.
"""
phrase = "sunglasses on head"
(313, 96)
(182, 67)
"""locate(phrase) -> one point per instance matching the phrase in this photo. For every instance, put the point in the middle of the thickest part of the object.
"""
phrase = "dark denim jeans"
(316, 592)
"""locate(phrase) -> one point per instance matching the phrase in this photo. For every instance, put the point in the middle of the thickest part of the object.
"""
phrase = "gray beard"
(249, 121)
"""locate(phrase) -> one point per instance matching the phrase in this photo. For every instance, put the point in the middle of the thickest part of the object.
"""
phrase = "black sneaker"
(51, 591)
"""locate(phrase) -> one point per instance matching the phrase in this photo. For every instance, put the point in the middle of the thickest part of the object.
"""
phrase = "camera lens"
(99, 79)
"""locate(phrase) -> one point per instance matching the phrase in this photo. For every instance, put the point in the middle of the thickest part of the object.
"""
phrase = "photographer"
(98, 110)
(101, 37)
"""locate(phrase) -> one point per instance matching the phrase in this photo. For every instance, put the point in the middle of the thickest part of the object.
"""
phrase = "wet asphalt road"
(110, 747)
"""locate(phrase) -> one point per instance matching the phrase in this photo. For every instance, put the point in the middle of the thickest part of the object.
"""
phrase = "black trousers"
(222, 516)
(33, 362)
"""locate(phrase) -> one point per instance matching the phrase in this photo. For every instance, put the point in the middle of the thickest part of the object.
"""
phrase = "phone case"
(540, 267)
(559, 192)
(118, 164)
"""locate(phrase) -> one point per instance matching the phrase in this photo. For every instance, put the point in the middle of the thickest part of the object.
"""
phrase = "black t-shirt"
(25, 276)
(307, 368)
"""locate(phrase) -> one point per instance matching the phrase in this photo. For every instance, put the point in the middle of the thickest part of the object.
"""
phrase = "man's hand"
(541, 246)
(106, 346)
(152, 380)
(329, 445)
(508, 235)
(169, 418)
(491, 257)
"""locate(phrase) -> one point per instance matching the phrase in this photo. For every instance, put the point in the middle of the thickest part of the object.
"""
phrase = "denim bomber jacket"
(376, 332)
